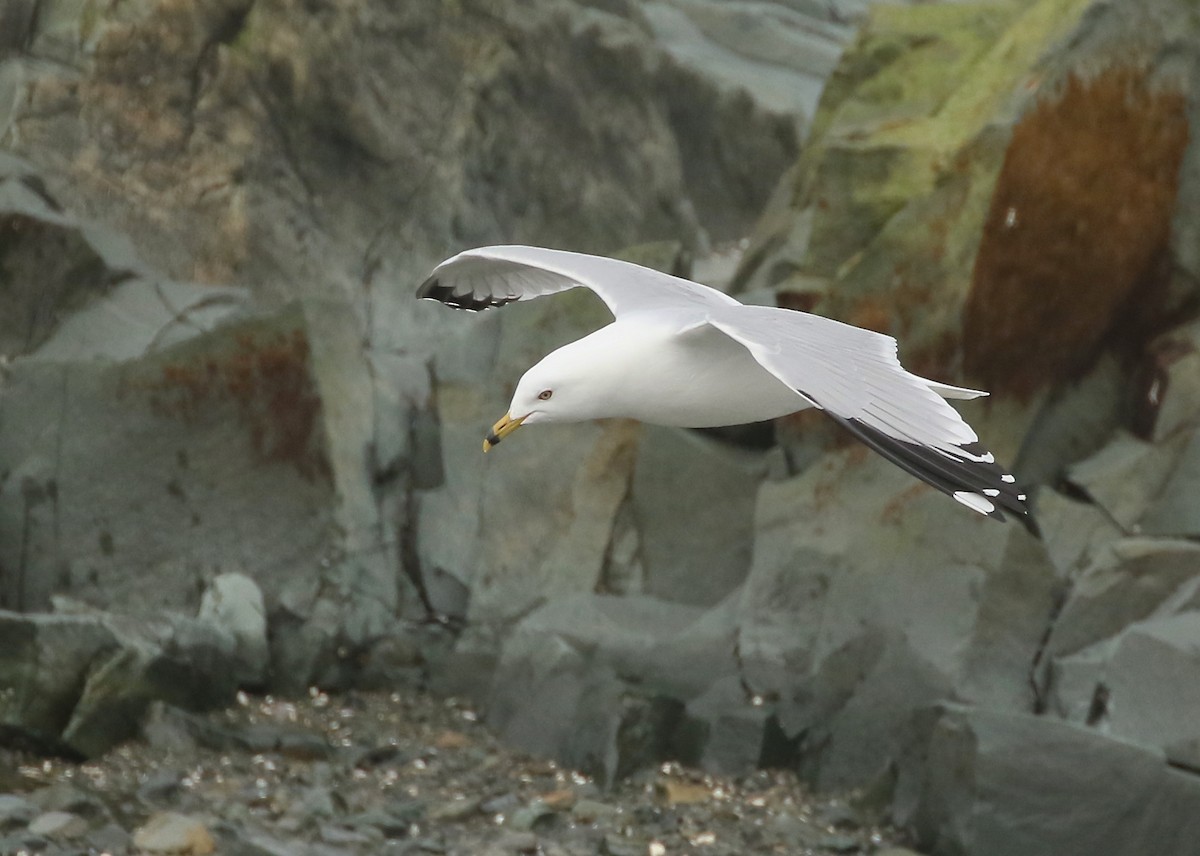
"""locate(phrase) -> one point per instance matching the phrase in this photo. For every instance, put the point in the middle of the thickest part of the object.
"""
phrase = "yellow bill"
(501, 430)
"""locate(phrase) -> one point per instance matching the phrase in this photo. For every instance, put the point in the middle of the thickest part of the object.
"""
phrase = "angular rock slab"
(693, 505)
(602, 682)
(1129, 581)
(80, 683)
(307, 180)
(871, 592)
(990, 783)
(1142, 686)
(243, 449)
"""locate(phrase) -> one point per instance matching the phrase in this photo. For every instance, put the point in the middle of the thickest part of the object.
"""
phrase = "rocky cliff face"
(221, 401)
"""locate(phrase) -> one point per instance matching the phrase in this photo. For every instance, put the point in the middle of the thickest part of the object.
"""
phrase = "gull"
(682, 354)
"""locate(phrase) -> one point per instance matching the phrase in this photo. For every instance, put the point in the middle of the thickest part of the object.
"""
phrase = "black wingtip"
(975, 480)
(433, 289)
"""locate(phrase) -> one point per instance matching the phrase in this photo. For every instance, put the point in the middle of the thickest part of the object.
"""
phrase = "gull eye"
(545, 394)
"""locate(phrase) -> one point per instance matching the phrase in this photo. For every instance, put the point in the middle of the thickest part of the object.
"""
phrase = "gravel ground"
(400, 773)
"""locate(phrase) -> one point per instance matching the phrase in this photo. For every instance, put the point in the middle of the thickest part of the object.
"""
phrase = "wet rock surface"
(393, 773)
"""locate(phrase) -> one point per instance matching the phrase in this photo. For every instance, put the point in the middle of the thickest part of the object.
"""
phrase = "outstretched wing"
(854, 375)
(488, 277)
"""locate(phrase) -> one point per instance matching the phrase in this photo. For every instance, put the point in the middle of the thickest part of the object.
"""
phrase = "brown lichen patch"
(268, 380)
(1078, 227)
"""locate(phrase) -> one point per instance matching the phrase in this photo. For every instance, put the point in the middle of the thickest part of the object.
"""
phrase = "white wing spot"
(1007, 479)
(990, 491)
(974, 501)
(1021, 497)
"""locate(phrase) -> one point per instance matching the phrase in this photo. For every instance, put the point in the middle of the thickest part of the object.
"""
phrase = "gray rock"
(518, 842)
(111, 838)
(778, 53)
(1127, 476)
(65, 797)
(170, 832)
(1001, 784)
(693, 502)
(838, 843)
(76, 291)
(602, 681)
(246, 447)
(81, 683)
(537, 815)
(44, 661)
(1127, 582)
(454, 810)
(340, 836)
(589, 810)
(502, 804)
(1074, 531)
(441, 165)
(614, 844)
(733, 728)
(861, 598)
(1169, 395)
(58, 825)
(15, 812)
(391, 824)
(233, 603)
(1174, 511)
(1140, 686)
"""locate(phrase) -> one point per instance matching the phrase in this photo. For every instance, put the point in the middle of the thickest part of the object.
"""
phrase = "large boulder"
(299, 148)
(945, 196)
(867, 593)
(79, 683)
(987, 783)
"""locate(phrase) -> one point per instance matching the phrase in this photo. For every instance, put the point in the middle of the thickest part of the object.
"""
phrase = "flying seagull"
(683, 354)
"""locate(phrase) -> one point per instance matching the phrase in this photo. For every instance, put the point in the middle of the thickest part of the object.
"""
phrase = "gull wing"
(488, 277)
(855, 376)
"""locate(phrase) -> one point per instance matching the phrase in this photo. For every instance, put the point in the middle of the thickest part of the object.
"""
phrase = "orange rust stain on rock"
(1072, 251)
(267, 379)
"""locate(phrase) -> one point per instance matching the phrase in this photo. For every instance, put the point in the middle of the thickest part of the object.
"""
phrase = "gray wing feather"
(856, 377)
(489, 277)
(850, 372)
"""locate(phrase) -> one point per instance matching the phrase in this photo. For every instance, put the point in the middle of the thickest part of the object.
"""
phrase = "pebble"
(109, 839)
(58, 824)
(66, 797)
(160, 789)
(391, 791)
(518, 842)
(840, 816)
(340, 835)
(561, 800)
(456, 809)
(15, 811)
(502, 804)
(619, 845)
(533, 816)
(168, 832)
(391, 825)
(589, 811)
(840, 843)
